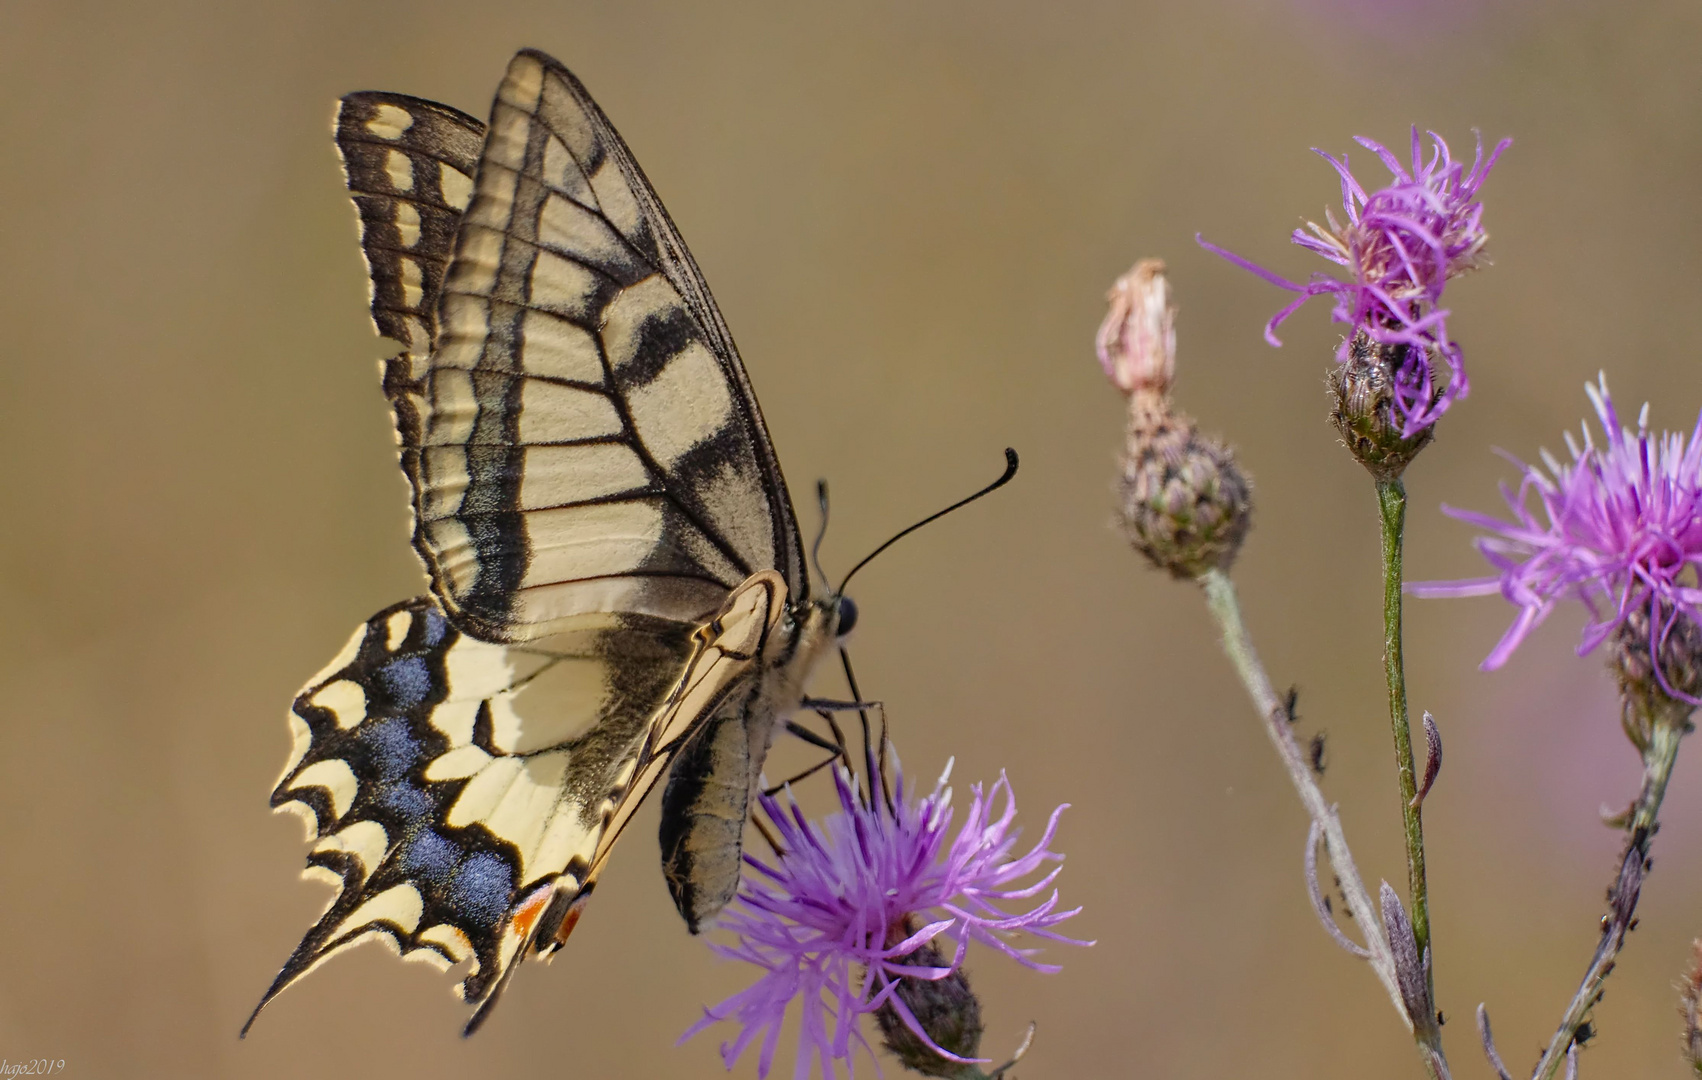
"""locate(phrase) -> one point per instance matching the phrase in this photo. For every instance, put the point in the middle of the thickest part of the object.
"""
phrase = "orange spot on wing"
(526, 915)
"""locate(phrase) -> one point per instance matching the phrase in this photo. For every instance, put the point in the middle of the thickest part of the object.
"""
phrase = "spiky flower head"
(870, 910)
(1618, 528)
(1400, 245)
(1183, 501)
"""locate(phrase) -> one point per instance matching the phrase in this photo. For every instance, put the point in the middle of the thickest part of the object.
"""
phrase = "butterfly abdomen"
(704, 807)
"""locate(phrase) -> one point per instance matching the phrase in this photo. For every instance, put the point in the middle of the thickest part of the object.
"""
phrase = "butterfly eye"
(847, 616)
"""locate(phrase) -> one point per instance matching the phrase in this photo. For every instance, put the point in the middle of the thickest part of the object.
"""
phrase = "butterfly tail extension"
(522, 933)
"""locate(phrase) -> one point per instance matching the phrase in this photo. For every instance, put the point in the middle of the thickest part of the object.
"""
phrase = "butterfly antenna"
(821, 532)
(1010, 471)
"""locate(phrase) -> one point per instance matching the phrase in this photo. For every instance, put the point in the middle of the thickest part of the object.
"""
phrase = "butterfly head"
(824, 620)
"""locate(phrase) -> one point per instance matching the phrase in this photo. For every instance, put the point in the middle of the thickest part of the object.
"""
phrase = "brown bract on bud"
(945, 1008)
(1648, 695)
(1182, 500)
(1363, 387)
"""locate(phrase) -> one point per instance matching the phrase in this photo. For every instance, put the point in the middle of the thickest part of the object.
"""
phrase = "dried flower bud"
(1137, 341)
(945, 1008)
(1364, 388)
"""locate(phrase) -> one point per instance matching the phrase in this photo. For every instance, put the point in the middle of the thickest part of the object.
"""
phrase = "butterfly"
(618, 588)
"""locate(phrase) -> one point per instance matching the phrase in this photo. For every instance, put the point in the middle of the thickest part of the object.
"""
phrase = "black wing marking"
(681, 268)
(409, 165)
(587, 439)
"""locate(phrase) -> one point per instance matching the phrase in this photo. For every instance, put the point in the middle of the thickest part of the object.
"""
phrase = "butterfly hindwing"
(587, 438)
(445, 779)
(461, 792)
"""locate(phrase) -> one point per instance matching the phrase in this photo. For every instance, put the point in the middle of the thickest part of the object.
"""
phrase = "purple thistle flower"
(1621, 531)
(1400, 245)
(836, 920)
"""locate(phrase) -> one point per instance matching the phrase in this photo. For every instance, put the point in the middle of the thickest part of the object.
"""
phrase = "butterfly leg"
(813, 739)
(838, 735)
(832, 705)
(806, 774)
(825, 708)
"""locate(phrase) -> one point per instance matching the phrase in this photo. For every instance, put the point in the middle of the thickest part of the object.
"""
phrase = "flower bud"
(945, 1008)
(1183, 501)
(1364, 388)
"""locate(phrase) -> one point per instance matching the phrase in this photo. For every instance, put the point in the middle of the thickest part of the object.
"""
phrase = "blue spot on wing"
(434, 627)
(391, 748)
(482, 888)
(430, 857)
(407, 680)
(405, 801)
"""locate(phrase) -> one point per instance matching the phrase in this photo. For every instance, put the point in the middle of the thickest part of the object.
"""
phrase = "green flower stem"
(1666, 727)
(1226, 609)
(1392, 502)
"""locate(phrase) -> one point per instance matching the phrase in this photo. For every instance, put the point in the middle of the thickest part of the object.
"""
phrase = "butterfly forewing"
(588, 441)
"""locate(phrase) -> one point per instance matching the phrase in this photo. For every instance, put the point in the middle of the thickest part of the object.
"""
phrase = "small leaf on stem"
(1321, 903)
(1489, 1044)
(1432, 759)
(1410, 968)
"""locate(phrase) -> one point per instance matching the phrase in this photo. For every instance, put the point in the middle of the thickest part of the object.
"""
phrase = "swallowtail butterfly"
(617, 583)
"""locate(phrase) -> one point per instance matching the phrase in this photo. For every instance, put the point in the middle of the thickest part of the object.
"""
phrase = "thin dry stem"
(1221, 599)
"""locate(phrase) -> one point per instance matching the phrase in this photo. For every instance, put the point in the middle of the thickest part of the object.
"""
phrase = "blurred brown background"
(909, 213)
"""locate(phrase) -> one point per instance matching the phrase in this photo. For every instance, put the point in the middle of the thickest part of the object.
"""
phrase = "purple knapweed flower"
(834, 921)
(1620, 530)
(1400, 245)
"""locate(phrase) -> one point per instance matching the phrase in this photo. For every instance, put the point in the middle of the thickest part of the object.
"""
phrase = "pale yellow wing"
(463, 796)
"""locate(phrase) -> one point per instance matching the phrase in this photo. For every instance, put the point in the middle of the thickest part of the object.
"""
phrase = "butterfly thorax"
(808, 631)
